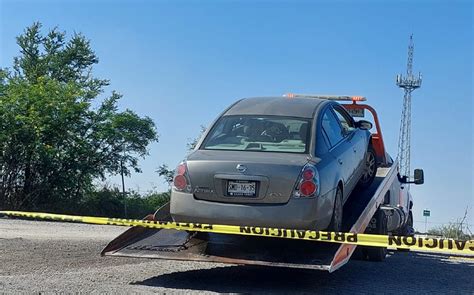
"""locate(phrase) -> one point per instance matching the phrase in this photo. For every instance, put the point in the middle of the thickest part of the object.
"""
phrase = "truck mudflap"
(247, 250)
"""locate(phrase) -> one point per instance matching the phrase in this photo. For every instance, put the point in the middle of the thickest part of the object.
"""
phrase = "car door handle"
(340, 161)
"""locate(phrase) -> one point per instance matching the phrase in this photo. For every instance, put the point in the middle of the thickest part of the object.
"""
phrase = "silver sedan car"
(275, 162)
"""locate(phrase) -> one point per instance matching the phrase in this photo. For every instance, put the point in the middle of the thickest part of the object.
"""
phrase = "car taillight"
(181, 179)
(308, 182)
(181, 169)
(180, 182)
(307, 188)
(308, 174)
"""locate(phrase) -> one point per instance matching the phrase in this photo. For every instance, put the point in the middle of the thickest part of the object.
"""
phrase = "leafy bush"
(110, 202)
(450, 231)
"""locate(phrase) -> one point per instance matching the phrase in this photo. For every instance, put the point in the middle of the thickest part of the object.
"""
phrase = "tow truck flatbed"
(210, 247)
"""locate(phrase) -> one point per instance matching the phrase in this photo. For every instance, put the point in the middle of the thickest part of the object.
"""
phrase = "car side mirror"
(419, 176)
(363, 124)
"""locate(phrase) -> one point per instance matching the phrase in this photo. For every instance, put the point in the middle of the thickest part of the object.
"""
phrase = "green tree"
(53, 142)
(167, 173)
(193, 142)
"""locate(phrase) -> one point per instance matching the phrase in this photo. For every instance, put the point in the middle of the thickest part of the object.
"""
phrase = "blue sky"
(182, 62)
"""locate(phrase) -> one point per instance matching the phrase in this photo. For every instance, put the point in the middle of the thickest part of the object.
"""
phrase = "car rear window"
(259, 133)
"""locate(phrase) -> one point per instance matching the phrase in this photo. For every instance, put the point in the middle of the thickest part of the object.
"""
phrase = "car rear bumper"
(301, 213)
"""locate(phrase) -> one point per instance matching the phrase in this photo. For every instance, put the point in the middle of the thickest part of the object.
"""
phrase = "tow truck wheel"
(410, 231)
(336, 220)
(370, 169)
(407, 231)
(378, 253)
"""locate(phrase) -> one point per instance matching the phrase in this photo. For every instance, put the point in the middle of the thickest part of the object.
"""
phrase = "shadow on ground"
(400, 273)
(241, 279)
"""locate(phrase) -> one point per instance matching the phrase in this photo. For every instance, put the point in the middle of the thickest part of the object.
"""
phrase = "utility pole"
(426, 214)
(124, 194)
(408, 83)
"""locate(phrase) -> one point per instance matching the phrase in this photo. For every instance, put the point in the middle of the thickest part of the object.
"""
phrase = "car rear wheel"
(336, 220)
(370, 169)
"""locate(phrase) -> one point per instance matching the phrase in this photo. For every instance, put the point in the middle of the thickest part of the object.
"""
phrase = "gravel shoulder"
(52, 257)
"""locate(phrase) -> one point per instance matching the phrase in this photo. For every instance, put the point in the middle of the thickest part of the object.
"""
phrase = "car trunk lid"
(244, 176)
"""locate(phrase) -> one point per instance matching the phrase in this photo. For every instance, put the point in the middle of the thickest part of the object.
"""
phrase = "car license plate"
(241, 188)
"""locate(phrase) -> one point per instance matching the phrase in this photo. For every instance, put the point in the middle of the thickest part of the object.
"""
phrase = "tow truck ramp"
(359, 211)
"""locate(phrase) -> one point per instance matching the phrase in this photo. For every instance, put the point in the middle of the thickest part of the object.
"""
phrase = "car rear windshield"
(259, 133)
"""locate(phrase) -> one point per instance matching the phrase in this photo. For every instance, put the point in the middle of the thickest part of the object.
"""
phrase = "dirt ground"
(46, 257)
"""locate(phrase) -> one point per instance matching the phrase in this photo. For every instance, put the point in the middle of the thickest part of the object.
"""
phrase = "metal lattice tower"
(408, 83)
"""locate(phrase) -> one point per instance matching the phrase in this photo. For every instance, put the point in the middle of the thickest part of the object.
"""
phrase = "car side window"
(346, 123)
(322, 143)
(331, 127)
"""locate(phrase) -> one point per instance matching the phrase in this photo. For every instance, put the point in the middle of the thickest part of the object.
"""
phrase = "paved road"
(63, 257)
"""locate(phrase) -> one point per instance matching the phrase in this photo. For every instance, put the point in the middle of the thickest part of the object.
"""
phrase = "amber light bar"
(329, 97)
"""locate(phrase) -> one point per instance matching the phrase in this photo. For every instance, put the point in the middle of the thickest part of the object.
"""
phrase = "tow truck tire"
(378, 254)
(370, 169)
(407, 231)
(336, 220)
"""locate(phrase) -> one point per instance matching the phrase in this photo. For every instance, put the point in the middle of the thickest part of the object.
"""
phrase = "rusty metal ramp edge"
(210, 247)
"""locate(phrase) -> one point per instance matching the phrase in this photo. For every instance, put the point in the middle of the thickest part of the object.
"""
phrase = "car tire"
(336, 219)
(370, 169)
(378, 254)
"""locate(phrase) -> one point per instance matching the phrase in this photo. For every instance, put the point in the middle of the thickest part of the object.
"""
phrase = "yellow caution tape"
(403, 242)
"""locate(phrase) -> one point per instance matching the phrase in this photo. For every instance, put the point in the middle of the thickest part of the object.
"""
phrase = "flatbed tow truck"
(383, 208)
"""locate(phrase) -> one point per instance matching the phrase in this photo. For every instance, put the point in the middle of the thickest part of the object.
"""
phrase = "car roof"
(276, 106)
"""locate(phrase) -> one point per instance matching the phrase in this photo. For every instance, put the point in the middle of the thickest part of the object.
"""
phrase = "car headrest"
(303, 131)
